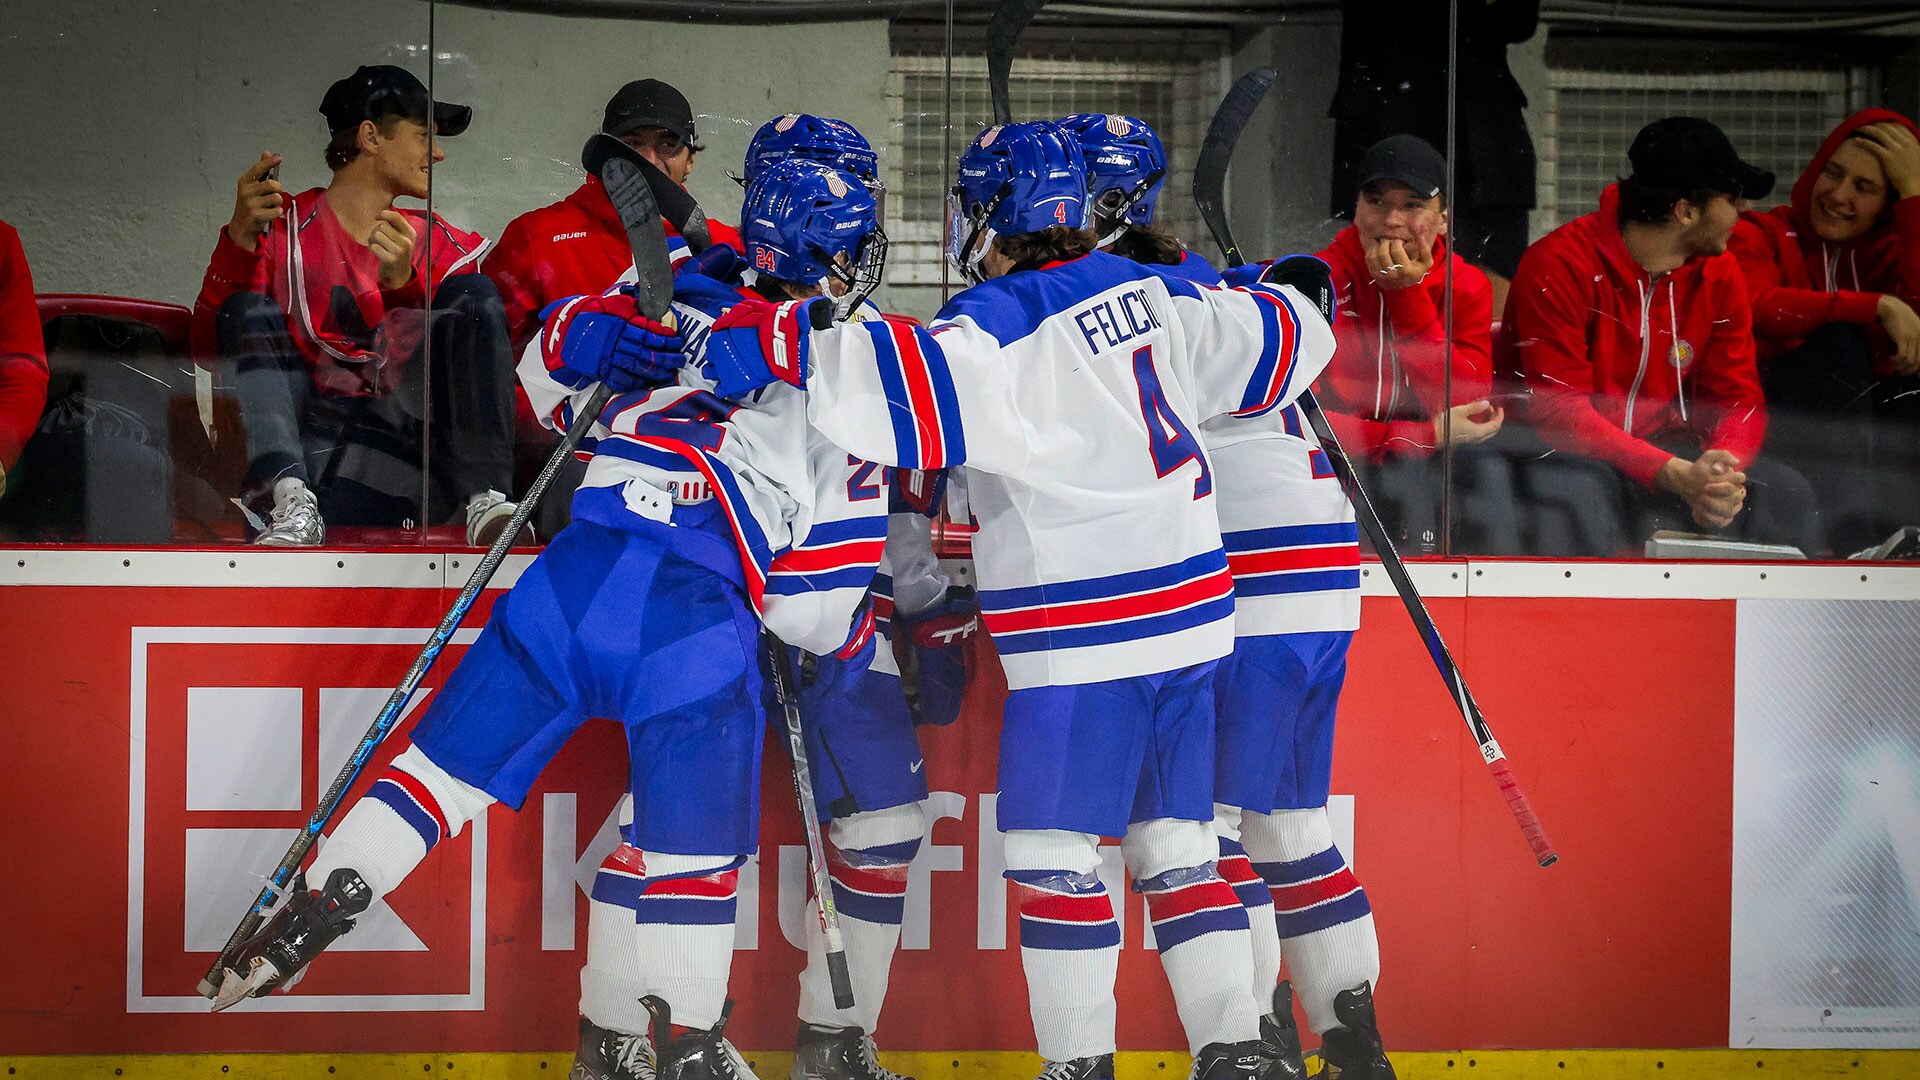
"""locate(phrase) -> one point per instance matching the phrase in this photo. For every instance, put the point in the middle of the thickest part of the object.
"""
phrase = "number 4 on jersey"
(1168, 439)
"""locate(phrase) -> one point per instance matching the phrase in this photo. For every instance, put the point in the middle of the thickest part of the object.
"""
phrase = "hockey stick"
(1209, 187)
(653, 293)
(1003, 31)
(780, 666)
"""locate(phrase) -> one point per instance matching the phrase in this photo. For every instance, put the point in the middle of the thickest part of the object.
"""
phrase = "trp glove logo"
(234, 734)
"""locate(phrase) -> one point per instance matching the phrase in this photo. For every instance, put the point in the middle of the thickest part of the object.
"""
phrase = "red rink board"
(1618, 715)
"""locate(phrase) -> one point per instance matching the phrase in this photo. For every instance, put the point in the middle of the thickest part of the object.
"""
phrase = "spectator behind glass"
(23, 354)
(1834, 277)
(577, 245)
(1393, 79)
(332, 306)
(1394, 392)
(1631, 327)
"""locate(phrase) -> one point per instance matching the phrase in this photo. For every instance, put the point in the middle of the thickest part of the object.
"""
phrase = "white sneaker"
(487, 514)
(295, 521)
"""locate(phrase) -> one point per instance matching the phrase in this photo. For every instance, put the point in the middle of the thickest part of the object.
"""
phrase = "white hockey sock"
(868, 855)
(1069, 941)
(611, 984)
(1325, 922)
(683, 925)
(1254, 895)
(391, 828)
(1199, 926)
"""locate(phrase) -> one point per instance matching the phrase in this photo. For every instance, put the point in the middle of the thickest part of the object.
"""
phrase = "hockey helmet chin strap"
(869, 263)
(967, 256)
(1113, 205)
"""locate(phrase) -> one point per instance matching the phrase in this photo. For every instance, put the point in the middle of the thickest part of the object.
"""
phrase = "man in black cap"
(333, 303)
(1404, 382)
(578, 246)
(1631, 329)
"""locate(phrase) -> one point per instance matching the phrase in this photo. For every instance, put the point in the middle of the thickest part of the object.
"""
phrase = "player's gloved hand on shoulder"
(1310, 277)
(755, 343)
(937, 641)
(719, 262)
(1244, 274)
(605, 339)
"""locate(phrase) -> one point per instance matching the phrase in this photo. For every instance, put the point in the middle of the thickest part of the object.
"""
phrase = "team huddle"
(1166, 565)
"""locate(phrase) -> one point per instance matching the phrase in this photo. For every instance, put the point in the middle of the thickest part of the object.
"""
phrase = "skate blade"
(235, 987)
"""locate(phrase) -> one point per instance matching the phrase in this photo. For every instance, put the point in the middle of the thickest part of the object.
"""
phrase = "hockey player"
(869, 778)
(694, 516)
(1069, 383)
(1293, 549)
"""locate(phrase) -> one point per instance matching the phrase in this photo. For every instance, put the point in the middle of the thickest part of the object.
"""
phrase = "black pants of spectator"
(1582, 508)
(1480, 507)
(1821, 421)
(362, 456)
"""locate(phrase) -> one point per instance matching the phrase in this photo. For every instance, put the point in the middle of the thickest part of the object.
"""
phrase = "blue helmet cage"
(801, 218)
(1126, 166)
(1014, 180)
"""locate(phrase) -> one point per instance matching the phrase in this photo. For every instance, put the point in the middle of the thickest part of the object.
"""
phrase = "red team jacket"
(23, 353)
(354, 334)
(1389, 370)
(573, 247)
(1616, 358)
(1799, 282)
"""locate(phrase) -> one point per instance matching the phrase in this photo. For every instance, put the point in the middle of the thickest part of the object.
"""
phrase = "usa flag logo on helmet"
(992, 133)
(786, 122)
(837, 186)
(1119, 125)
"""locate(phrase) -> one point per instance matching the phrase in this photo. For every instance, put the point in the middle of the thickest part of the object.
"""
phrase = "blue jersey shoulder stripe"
(1013, 306)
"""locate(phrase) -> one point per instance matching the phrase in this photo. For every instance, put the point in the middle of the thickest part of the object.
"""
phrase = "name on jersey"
(1115, 321)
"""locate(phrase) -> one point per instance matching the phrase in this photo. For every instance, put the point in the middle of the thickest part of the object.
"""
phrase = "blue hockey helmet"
(806, 223)
(1126, 167)
(1014, 180)
(812, 138)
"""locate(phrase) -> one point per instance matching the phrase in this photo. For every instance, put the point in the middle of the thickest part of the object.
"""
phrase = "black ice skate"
(1354, 1052)
(696, 1054)
(1099, 1067)
(1280, 1037)
(824, 1053)
(1231, 1061)
(605, 1054)
(304, 926)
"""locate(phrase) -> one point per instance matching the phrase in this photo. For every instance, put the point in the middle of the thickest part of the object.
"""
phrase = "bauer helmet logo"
(785, 123)
(1118, 125)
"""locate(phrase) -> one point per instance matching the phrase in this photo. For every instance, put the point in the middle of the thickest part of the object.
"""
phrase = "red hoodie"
(1616, 358)
(1389, 370)
(23, 353)
(574, 246)
(1799, 282)
(354, 333)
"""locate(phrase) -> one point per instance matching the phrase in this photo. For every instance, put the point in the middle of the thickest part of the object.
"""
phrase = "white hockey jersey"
(810, 521)
(1289, 530)
(1072, 395)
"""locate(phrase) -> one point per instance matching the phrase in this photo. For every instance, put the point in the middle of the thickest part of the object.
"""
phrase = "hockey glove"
(938, 643)
(917, 491)
(1309, 276)
(719, 262)
(605, 339)
(757, 342)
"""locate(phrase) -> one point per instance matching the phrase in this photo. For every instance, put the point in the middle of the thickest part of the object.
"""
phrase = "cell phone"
(272, 174)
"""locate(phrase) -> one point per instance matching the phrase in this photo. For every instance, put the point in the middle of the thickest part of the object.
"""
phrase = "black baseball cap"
(1407, 159)
(374, 91)
(645, 103)
(1686, 153)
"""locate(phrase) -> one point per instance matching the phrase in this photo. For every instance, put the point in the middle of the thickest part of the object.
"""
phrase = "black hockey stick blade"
(1216, 153)
(640, 216)
(1003, 32)
(676, 205)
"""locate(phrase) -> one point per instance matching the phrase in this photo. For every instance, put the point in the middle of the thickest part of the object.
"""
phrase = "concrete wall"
(127, 123)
